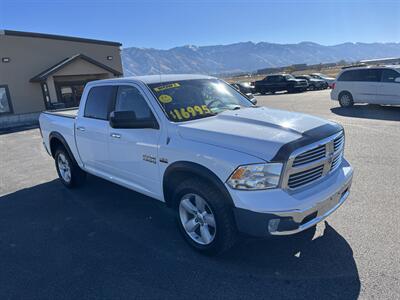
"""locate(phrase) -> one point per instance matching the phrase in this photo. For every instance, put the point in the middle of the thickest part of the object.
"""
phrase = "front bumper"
(303, 209)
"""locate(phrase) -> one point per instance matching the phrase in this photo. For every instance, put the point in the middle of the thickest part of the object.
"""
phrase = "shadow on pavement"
(388, 113)
(103, 241)
(18, 129)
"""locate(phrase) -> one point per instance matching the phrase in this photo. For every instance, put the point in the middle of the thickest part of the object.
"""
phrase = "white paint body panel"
(220, 143)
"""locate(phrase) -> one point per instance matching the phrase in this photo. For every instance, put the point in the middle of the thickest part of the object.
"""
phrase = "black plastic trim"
(255, 224)
(195, 169)
(58, 136)
(308, 137)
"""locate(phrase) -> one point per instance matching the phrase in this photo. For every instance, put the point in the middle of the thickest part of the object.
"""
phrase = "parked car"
(222, 164)
(327, 79)
(280, 82)
(313, 83)
(374, 85)
(248, 95)
(244, 87)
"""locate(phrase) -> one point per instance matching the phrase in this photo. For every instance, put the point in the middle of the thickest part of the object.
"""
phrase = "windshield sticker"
(167, 87)
(165, 98)
(189, 112)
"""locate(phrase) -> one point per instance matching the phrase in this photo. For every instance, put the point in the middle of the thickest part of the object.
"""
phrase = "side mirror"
(127, 119)
(251, 98)
(397, 79)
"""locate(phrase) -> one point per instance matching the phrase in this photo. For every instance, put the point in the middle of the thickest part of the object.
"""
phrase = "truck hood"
(269, 134)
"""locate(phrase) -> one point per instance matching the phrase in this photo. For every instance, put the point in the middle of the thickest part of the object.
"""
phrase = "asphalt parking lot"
(103, 241)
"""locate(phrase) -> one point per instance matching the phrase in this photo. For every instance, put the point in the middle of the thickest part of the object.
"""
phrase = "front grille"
(310, 156)
(301, 178)
(338, 143)
(336, 162)
(313, 162)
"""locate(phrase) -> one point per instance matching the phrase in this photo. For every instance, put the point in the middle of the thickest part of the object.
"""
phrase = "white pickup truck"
(225, 165)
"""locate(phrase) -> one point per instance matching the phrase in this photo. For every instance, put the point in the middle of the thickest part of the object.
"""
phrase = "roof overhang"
(58, 37)
(50, 71)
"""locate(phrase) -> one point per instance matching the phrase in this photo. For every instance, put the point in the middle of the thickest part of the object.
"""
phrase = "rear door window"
(370, 75)
(99, 102)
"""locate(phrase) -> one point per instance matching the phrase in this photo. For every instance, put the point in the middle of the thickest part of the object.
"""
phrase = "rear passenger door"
(92, 130)
(389, 90)
(365, 88)
(134, 151)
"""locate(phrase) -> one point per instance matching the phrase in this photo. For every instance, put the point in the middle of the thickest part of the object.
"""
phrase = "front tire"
(346, 99)
(204, 217)
(70, 174)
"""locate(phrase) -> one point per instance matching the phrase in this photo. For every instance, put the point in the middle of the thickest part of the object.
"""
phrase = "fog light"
(273, 225)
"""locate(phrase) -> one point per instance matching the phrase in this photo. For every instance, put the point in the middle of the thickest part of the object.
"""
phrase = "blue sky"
(166, 24)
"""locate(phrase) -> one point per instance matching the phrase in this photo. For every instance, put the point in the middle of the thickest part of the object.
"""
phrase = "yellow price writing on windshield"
(189, 112)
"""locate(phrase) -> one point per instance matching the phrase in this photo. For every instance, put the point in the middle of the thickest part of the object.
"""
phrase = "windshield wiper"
(233, 107)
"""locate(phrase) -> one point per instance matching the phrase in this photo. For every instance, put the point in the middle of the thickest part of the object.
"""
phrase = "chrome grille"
(338, 143)
(336, 162)
(310, 156)
(301, 178)
(313, 162)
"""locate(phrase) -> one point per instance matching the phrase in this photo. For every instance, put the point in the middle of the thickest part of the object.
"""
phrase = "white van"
(374, 85)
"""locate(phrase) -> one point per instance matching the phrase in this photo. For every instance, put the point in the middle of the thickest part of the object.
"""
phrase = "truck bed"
(62, 122)
(64, 112)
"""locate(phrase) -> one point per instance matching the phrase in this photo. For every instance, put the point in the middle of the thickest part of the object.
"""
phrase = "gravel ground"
(105, 242)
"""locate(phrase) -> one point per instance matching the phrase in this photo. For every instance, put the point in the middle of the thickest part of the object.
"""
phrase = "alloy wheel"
(64, 167)
(197, 219)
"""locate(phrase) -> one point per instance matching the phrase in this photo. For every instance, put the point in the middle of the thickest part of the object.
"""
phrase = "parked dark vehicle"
(314, 83)
(280, 82)
(244, 87)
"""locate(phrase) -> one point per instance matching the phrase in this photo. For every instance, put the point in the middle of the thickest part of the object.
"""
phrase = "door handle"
(80, 128)
(115, 135)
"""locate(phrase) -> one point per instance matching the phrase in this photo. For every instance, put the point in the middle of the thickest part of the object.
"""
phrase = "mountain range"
(246, 56)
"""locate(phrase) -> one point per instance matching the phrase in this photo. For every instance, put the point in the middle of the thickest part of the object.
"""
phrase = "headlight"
(256, 177)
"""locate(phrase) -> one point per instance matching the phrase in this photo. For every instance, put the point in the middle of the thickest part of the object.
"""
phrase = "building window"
(109, 57)
(5, 59)
(5, 101)
(46, 95)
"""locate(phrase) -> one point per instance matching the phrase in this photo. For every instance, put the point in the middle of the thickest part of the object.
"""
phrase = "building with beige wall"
(43, 71)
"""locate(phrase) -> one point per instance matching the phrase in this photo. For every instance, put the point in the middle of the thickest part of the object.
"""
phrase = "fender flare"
(56, 135)
(196, 170)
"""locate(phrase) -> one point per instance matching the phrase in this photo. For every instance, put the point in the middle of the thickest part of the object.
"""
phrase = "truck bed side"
(62, 123)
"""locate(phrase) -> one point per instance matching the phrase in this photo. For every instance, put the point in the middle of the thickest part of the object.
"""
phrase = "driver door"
(133, 152)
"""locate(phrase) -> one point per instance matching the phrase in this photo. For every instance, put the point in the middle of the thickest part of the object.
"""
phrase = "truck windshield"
(198, 98)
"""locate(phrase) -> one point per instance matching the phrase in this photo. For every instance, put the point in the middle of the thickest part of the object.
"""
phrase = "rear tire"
(70, 174)
(346, 99)
(204, 217)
